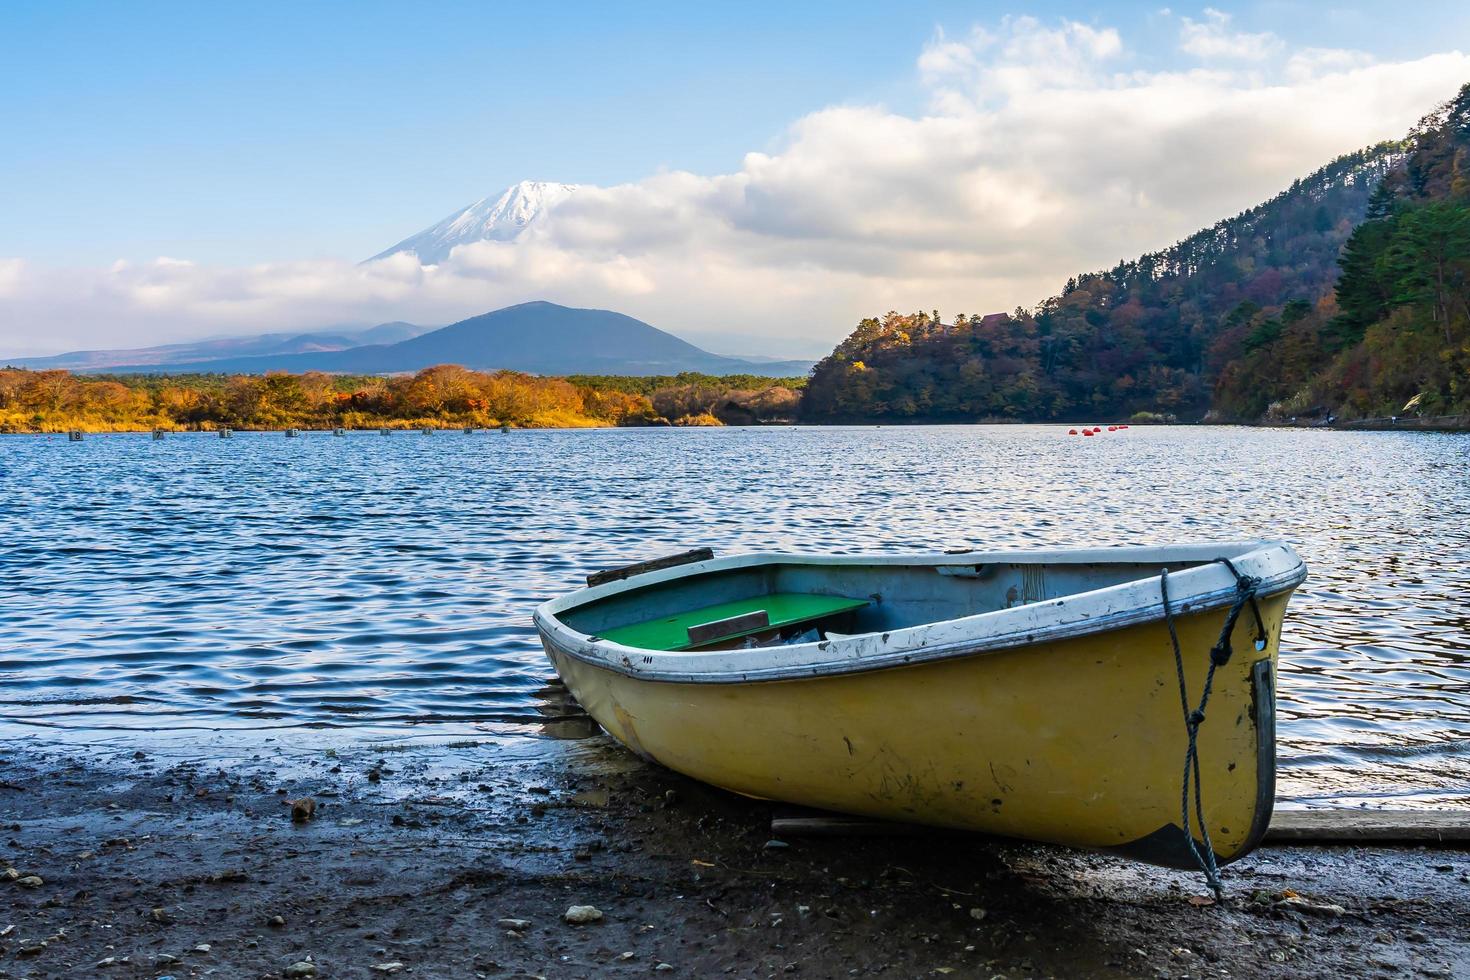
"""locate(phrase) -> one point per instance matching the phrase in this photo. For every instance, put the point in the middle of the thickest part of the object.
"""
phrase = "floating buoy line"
(1095, 430)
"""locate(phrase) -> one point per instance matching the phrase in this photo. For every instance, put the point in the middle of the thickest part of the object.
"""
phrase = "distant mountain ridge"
(500, 219)
(536, 338)
(166, 355)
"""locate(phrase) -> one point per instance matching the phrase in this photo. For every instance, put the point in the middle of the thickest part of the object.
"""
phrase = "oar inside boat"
(1032, 694)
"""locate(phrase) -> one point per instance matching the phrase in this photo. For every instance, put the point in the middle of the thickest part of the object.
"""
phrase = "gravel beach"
(448, 859)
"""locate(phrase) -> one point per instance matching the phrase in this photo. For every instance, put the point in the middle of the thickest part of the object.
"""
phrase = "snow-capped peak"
(497, 219)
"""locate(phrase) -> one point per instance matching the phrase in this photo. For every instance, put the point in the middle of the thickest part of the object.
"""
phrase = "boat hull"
(1077, 741)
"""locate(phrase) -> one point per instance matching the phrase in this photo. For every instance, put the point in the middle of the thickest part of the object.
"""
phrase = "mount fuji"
(500, 219)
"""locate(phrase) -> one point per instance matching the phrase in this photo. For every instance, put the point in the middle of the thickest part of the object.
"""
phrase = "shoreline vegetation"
(452, 397)
(446, 396)
(449, 397)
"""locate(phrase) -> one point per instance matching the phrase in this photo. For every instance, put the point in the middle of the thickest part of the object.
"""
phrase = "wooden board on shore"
(1340, 825)
(1330, 826)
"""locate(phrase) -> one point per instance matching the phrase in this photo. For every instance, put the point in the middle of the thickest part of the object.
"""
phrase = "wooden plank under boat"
(1030, 694)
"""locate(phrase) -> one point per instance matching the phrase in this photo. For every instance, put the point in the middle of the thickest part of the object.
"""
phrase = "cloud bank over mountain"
(1042, 149)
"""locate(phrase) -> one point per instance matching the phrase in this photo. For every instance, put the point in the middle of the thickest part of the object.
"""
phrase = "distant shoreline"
(1442, 423)
(1453, 424)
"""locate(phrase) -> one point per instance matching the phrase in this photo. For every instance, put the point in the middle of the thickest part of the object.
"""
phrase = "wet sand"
(419, 858)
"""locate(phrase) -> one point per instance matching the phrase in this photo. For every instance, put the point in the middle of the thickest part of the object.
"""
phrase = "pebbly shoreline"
(448, 861)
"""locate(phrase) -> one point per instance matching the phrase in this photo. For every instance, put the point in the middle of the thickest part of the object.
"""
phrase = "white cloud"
(1309, 63)
(12, 276)
(1042, 151)
(1212, 38)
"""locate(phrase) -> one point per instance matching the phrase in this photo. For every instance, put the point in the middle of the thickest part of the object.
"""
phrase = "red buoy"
(1087, 432)
(1071, 432)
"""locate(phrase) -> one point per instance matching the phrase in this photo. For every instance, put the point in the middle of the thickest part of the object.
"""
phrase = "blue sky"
(234, 133)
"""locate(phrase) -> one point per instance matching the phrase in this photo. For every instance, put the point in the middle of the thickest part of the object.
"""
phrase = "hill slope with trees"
(1244, 320)
(1394, 337)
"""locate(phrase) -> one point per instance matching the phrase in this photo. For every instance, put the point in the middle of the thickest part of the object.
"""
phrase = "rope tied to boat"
(1246, 588)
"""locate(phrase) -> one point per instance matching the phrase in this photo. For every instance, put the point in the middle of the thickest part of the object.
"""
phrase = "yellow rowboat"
(1030, 694)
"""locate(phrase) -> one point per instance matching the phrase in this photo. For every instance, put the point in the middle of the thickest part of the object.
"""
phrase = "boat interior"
(793, 602)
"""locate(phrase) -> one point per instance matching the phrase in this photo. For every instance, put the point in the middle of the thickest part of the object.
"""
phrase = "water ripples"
(322, 582)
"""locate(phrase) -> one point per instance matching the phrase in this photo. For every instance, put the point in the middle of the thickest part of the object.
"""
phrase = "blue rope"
(1245, 593)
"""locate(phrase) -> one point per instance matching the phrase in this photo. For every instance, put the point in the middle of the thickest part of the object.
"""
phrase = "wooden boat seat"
(731, 620)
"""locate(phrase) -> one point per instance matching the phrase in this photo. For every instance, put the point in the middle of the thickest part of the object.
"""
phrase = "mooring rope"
(1245, 593)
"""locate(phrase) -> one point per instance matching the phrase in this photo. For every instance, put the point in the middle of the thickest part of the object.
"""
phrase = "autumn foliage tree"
(441, 396)
(445, 395)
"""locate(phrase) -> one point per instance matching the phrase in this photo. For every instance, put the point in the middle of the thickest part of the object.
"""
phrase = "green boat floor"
(783, 609)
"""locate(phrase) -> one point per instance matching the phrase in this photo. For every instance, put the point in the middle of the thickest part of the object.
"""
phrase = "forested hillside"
(1394, 339)
(1225, 324)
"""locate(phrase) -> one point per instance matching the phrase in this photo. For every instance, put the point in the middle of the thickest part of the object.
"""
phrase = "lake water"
(385, 584)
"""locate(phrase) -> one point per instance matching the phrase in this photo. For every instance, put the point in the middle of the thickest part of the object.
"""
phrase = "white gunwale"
(1193, 589)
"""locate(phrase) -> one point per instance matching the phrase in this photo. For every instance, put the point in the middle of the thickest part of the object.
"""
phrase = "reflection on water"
(365, 582)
